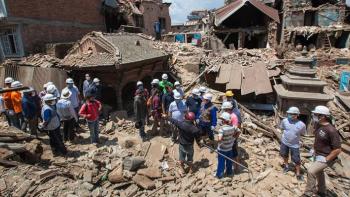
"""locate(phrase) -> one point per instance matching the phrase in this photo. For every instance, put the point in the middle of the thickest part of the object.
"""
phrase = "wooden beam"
(226, 37)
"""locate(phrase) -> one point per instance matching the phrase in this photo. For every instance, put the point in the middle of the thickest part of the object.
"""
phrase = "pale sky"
(179, 9)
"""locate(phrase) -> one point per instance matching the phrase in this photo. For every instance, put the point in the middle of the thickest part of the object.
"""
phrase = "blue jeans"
(222, 161)
(93, 127)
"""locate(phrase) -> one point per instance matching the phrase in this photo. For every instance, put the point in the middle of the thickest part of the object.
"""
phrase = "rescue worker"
(16, 98)
(30, 111)
(208, 116)
(165, 83)
(188, 132)
(67, 114)
(98, 89)
(177, 110)
(86, 84)
(75, 97)
(140, 110)
(52, 89)
(9, 112)
(155, 86)
(167, 98)
(327, 147)
(194, 102)
(292, 129)
(156, 109)
(145, 93)
(225, 143)
(44, 92)
(90, 111)
(178, 89)
(235, 109)
(51, 124)
(203, 90)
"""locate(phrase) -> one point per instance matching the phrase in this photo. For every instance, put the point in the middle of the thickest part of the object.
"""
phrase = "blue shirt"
(74, 98)
(29, 107)
(166, 100)
(65, 110)
(291, 132)
(194, 105)
(178, 110)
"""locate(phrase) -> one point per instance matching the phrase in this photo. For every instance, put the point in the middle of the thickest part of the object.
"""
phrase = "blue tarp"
(180, 38)
(344, 81)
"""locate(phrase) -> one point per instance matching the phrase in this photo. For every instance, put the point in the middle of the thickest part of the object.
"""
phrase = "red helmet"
(190, 116)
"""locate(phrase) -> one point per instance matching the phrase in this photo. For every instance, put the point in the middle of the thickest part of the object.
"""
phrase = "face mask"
(178, 87)
(70, 85)
(97, 84)
(177, 101)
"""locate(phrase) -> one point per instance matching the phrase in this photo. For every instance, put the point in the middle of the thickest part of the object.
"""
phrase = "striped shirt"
(226, 132)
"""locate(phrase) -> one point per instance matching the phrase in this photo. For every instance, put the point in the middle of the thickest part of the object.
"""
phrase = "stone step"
(307, 96)
(302, 82)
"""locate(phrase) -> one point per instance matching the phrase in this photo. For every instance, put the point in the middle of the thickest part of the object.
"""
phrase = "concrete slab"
(302, 82)
(155, 154)
(144, 182)
(283, 93)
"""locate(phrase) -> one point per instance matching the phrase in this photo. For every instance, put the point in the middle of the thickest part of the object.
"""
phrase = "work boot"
(285, 169)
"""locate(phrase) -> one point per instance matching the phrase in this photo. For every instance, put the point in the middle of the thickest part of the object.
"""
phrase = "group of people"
(24, 109)
(188, 120)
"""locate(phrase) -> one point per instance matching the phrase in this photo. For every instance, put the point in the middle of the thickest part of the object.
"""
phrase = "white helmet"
(226, 116)
(69, 81)
(139, 83)
(321, 110)
(155, 81)
(16, 84)
(195, 91)
(49, 97)
(9, 80)
(66, 93)
(227, 105)
(51, 89)
(50, 83)
(165, 76)
(96, 80)
(177, 83)
(203, 89)
(293, 110)
(177, 95)
(208, 96)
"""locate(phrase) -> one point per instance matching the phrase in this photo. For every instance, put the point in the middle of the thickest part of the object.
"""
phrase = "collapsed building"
(314, 24)
(258, 27)
(119, 60)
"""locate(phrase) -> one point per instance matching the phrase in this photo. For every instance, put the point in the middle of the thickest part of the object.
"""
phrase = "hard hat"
(29, 90)
(293, 110)
(177, 83)
(190, 116)
(229, 93)
(225, 116)
(321, 110)
(9, 80)
(69, 81)
(195, 91)
(96, 80)
(165, 76)
(177, 95)
(50, 83)
(155, 81)
(16, 84)
(66, 93)
(203, 89)
(49, 97)
(139, 83)
(208, 96)
(51, 89)
(227, 105)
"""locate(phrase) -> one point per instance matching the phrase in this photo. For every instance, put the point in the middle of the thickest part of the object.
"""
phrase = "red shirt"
(91, 110)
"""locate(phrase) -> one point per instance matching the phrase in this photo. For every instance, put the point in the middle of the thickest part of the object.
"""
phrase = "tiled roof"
(121, 48)
(223, 13)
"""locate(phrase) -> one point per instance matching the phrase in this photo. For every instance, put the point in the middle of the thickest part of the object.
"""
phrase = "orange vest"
(7, 100)
(16, 98)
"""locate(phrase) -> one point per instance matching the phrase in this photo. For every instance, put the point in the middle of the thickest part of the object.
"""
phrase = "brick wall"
(151, 13)
(51, 21)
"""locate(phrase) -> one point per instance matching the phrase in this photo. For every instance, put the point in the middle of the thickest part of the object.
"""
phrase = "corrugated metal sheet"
(223, 13)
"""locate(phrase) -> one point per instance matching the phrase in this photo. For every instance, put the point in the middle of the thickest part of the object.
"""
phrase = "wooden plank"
(248, 81)
(262, 80)
(224, 74)
(235, 80)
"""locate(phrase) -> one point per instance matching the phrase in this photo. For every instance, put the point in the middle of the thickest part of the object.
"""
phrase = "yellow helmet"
(229, 93)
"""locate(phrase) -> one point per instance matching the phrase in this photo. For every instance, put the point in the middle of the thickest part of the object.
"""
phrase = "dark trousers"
(206, 130)
(68, 129)
(56, 142)
(32, 124)
(18, 120)
(8, 118)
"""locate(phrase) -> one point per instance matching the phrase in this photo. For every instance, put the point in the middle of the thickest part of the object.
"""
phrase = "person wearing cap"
(86, 84)
(164, 84)
(225, 143)
(30, 111)
(203, 90)
(9, 113)
(177, 110)
(292, 129)
(235, 109)
(51, 124)
(16, 98)
(52, 89)
(178, 89)
(98, 89)
(327, 147)
(145, 93)
(194, 102)
(75, 97)
(208, 116)
(140, 110)
(188, 132)
(155, 86)
(90, 111)
(227, 107)
(67, 114)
